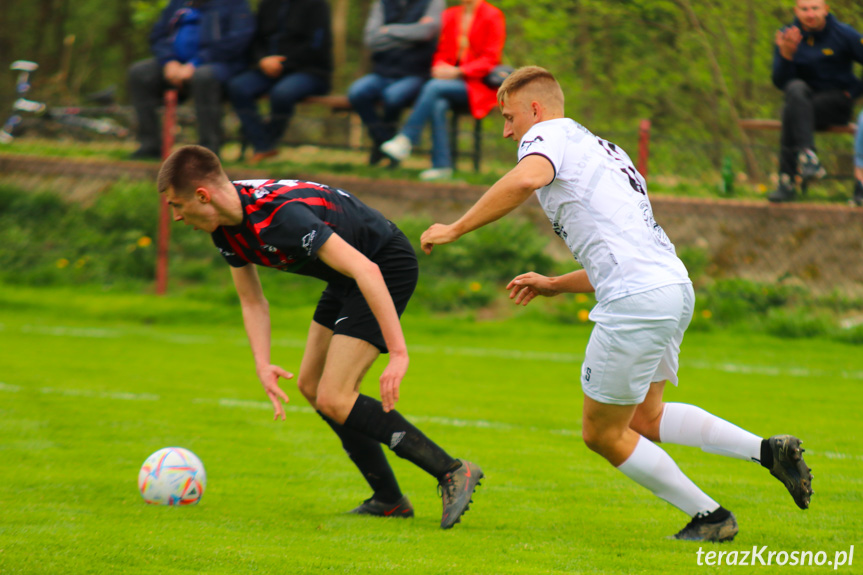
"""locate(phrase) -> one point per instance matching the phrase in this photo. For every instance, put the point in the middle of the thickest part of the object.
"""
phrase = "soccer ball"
(172, 476)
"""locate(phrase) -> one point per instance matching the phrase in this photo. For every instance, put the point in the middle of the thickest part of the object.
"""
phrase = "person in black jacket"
(812, 64)
(292, 56)
(197, 46)
(402, 36)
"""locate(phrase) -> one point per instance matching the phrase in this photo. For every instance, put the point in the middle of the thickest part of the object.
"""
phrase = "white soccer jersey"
(597, 203)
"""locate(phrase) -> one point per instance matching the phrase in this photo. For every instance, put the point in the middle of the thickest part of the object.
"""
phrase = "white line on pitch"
(266, 406)
(197, 339)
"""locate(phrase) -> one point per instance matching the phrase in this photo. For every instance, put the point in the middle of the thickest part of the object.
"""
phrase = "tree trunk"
(742, 137)
(583, 49)
(340, 33)
(752, 37)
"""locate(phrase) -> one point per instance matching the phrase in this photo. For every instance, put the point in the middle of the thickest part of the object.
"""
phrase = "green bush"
(853, 335)
(499, 251)
(738, 300)
(48, 241)
(474, 271)
(797, 322)
(696, 261)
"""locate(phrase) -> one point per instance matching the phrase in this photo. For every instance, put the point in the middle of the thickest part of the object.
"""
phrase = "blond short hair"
(189, 167)
(538, 82)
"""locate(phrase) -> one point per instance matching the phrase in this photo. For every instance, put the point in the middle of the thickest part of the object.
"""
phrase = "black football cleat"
(401, 508)
(789, 468)
(456, 489)
(701, 528)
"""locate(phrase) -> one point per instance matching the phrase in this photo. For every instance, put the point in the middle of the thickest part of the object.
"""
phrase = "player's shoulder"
(542, 133)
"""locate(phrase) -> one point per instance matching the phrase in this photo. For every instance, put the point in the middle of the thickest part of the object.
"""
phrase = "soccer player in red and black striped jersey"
(371, 271)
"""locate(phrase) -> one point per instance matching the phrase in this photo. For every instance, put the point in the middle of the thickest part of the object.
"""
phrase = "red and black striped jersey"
(285, 222)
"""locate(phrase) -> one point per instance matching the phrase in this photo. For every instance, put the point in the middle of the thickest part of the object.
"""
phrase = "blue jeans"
(436, 98)
(285, 91)
(395, 94)
(858, 142)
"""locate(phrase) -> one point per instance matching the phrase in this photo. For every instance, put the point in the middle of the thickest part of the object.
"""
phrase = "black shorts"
(344, 310)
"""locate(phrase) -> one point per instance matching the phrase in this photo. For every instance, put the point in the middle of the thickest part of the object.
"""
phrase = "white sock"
(651, 467)
(685, 424)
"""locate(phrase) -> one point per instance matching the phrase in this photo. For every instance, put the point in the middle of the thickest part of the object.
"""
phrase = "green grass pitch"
(92, 383)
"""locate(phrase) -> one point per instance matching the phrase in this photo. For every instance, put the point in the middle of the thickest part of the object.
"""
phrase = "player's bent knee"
(601, 441)
(334, 405)
(646, 425)
(593, 440)
(309, 388)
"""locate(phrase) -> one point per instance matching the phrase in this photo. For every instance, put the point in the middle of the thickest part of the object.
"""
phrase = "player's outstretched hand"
(391, 379)
(437, 234)
(527, 286)
(269, 376)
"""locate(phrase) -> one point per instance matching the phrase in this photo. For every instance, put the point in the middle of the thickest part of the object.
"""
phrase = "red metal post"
(643, 146)
(168, 128)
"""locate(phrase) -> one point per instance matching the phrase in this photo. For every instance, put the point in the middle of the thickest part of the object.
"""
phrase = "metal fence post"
(168, 128)
(643, 146)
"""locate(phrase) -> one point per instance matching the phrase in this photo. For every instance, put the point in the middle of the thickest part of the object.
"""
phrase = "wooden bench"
(339, 104)
(776, 125)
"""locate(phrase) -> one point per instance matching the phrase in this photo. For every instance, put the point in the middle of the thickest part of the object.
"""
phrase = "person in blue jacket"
(197, 46)
(858, 163)
(812, 63)
(402, 36)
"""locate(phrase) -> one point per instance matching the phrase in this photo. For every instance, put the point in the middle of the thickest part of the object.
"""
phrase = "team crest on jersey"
(260, 193)
(308, 241)
(528, 143)
(558, 229)
(658, 233)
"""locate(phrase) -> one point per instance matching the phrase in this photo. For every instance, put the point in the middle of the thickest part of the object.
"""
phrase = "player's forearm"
(374, 290)
(573, 282)
(256, 319)
(503, 197)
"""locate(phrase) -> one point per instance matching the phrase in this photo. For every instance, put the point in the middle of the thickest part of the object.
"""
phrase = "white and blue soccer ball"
(172, 476)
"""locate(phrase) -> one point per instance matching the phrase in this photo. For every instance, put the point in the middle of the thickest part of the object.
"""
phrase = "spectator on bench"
(812, 64)
(471, 43)
(293, 59)
(858, 163)
(197, 46)
(402, 37)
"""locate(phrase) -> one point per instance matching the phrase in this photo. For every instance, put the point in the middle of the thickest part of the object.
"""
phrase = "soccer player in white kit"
(597, 203)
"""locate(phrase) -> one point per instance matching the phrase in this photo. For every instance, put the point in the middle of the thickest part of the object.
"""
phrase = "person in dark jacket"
(293, 59)
(402, 36)
(812, 63)
(197, 46)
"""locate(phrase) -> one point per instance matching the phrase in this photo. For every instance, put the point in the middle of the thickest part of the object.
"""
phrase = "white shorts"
(636, 341)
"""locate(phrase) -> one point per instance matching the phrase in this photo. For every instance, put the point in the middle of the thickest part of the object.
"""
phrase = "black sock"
(717, 515)
(369, 418)
(766, 454)
(368, 456)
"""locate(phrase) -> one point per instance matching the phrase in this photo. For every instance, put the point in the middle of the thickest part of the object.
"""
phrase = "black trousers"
(147, 86)
(805, 112)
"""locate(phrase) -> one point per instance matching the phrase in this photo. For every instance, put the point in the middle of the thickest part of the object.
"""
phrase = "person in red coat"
(470, 45)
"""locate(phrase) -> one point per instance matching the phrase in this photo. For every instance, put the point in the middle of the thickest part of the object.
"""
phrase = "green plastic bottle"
(727, 173)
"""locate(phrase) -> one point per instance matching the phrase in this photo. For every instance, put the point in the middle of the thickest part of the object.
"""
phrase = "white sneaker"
(436, 174)
(398, 148)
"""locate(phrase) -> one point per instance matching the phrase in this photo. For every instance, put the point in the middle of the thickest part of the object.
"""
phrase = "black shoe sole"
(800, 488)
